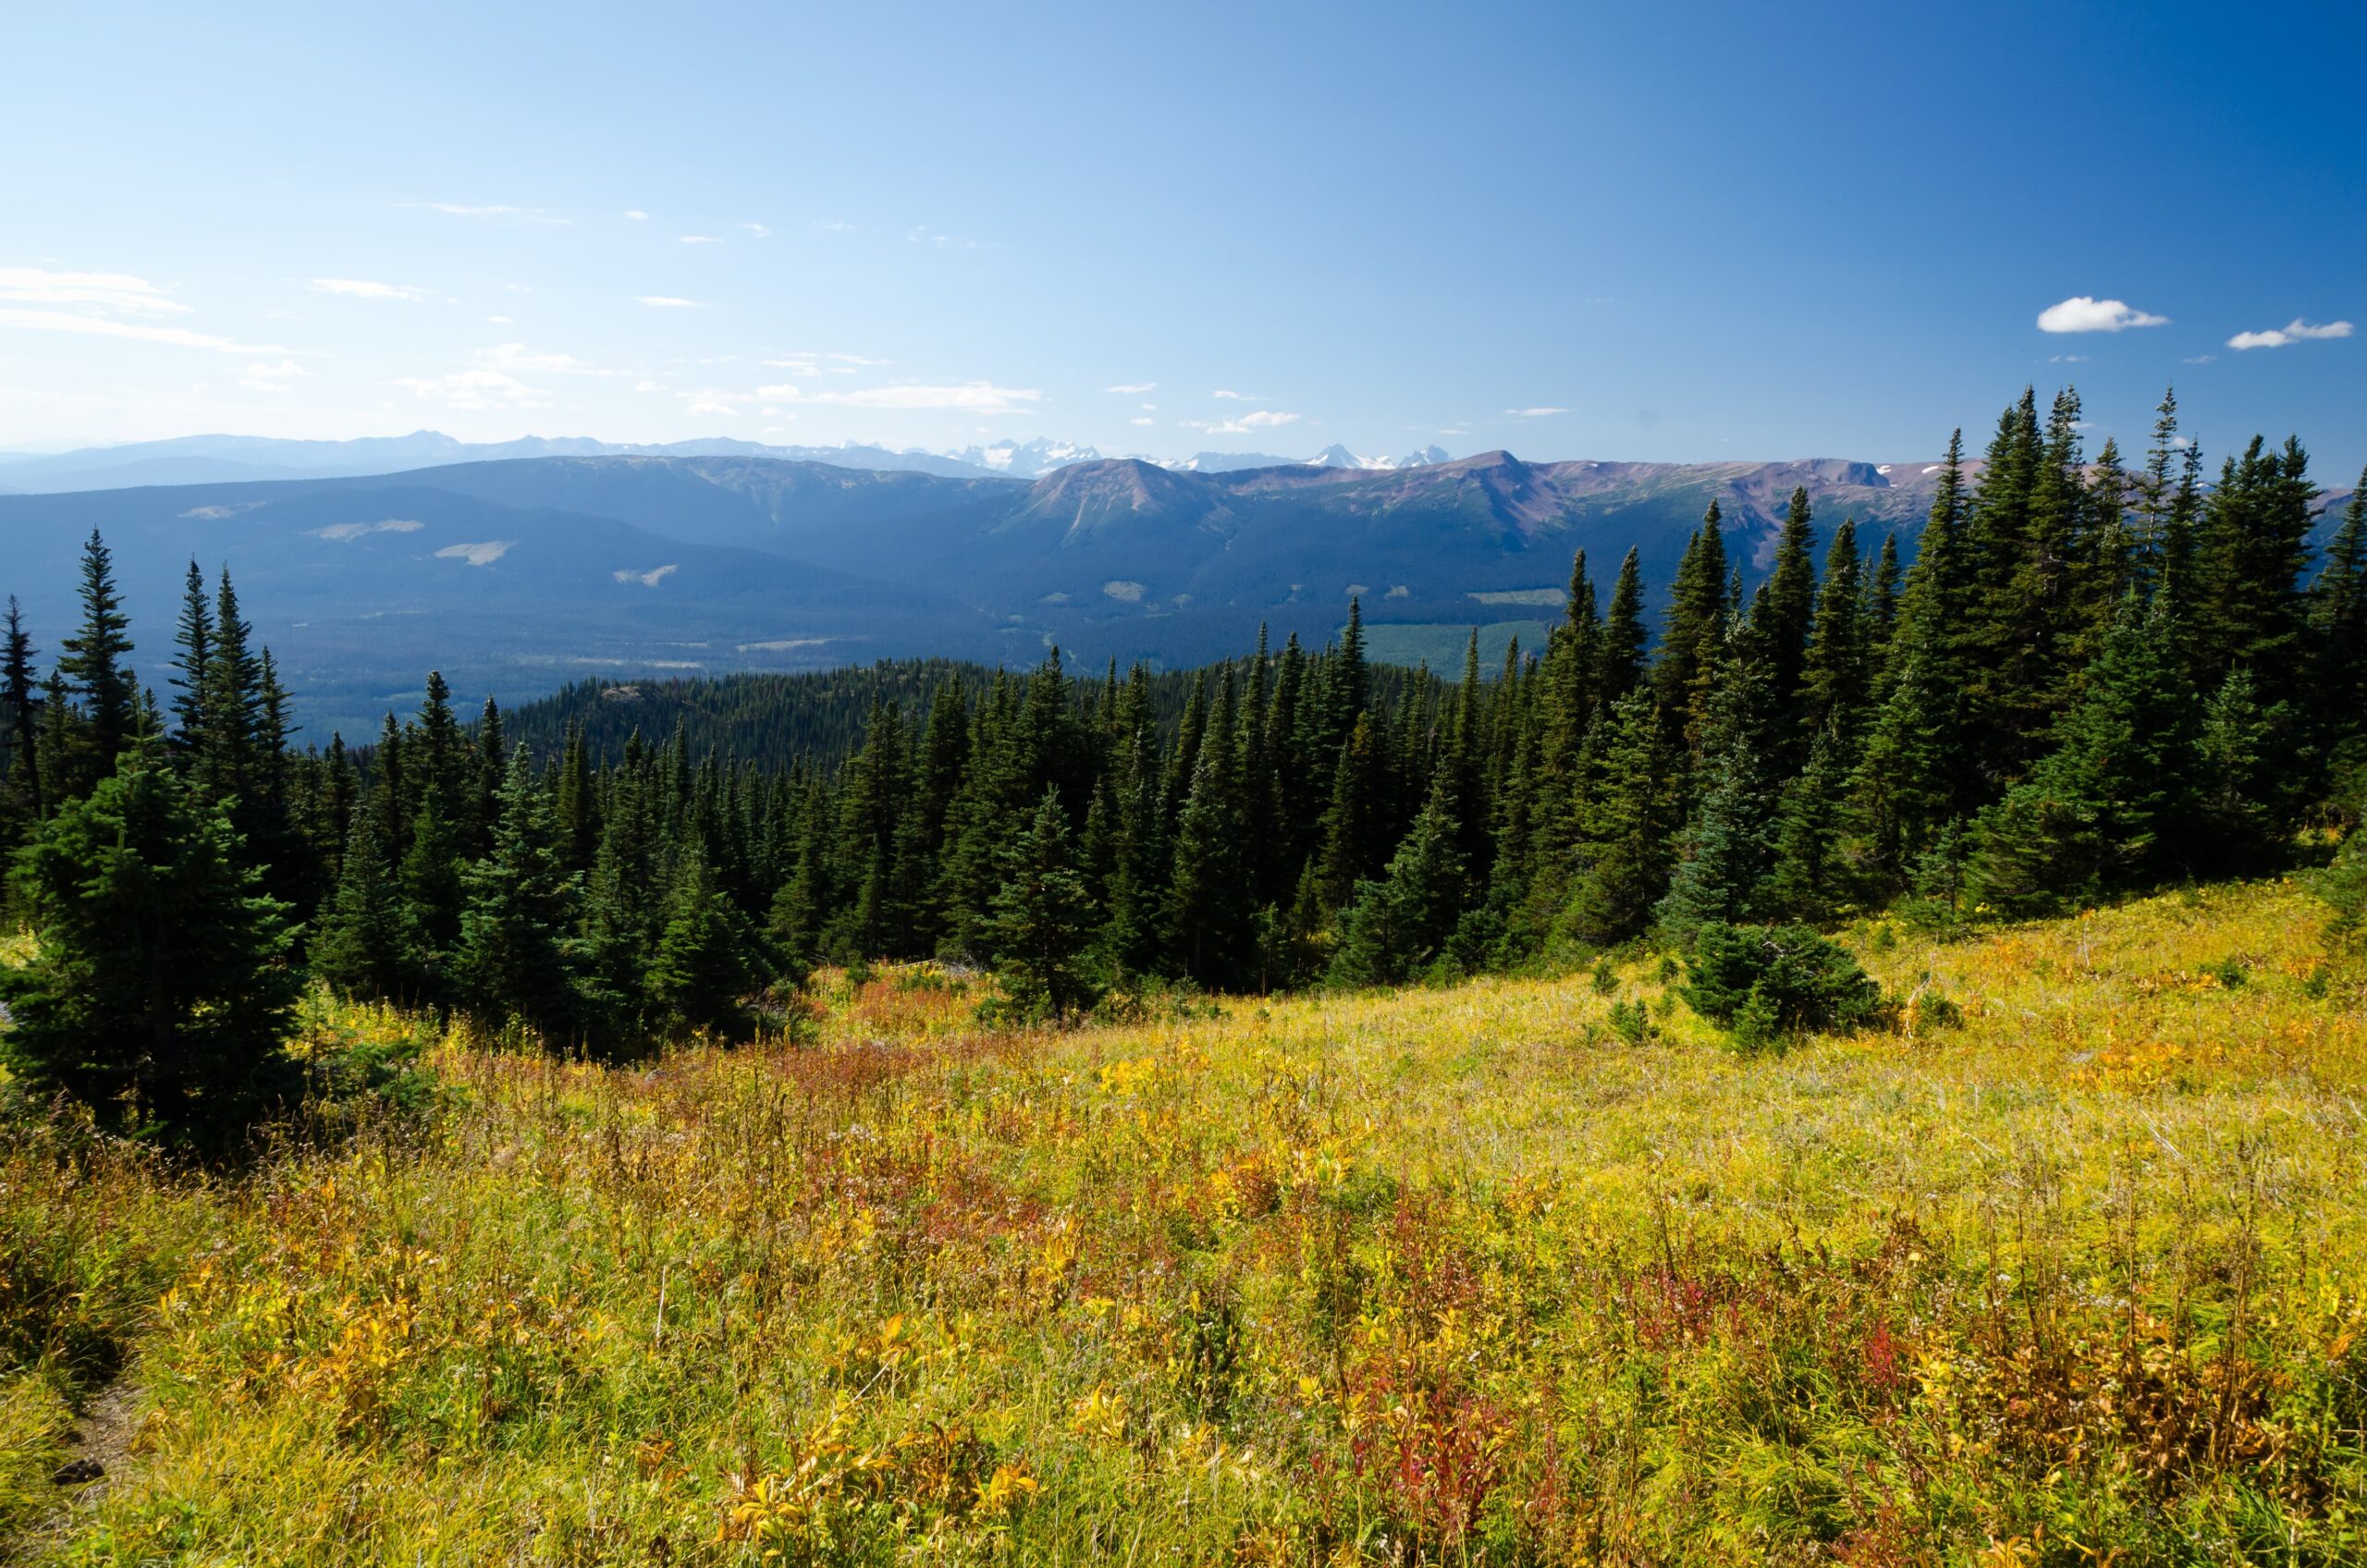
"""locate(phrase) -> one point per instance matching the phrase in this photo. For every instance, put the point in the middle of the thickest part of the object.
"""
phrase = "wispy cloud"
(1133, 388)
(489, 210)
(517, 356)
(2082, 313)
(1236, 396)
(1142, 421)
(636, 214)
(272, 378)
(832, 225)
(480, 386)
(667, 303)
(2199, 360)
(2295, 331)
(1256, 419)
(921, 234)
(969, 397)
(758, 231)
(701, 239)
(2066, 358)
(362, 288)
(1535, 413)
(814, 365)
(100, 326)
(114, 293)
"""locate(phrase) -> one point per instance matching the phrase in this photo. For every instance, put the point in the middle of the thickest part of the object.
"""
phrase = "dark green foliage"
(1398, 925)
(2089, 681)
(1043, 919)
(704, 966)
(161, 993)
(1730, 850)
(2113, 806)
(518, 956)
(2344, 886)
(1625, 827)
(1768, 981)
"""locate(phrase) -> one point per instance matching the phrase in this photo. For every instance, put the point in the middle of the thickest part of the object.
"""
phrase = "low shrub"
(1767, 982)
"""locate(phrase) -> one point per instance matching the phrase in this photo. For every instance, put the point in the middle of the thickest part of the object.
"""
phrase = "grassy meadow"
(2069, 1268)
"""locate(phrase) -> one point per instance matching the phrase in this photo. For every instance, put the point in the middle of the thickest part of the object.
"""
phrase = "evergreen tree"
(362, 946)
(1624, 828)
(520, 956)
(1836, 669)
(1782, 618)
(2339, 623)
(1396, 925)
(23, 713)
(703, 968)
(1812, 876)
(1041, 923)
(1623, 636)
(1209, 907)
(2112, 805)
(1731, 848)
(93, 668)
(1699, 606)
(194, 639)
(160, 992)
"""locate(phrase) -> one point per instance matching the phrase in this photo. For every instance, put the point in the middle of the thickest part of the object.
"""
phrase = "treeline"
(2092, 678)
(817, 718)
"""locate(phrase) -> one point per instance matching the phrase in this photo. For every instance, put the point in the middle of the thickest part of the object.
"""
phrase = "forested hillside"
(2090, 682)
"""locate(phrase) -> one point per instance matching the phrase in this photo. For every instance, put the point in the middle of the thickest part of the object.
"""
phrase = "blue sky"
(1680, 232)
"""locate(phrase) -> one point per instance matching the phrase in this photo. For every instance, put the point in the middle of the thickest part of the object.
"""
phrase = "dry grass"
(1452, 1276)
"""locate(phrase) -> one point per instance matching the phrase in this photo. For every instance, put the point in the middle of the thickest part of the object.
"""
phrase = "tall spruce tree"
(1042, 925)
(160, 992)
(2113, 806)
(93, 668)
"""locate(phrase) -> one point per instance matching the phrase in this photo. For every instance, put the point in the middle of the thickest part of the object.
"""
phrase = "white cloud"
(1133, 388)
(645, 385)
(811, 365)
(60, 321)
(2295, 331)
(757, 230)
(701, 239)
(923, 235)
(1237, 397)
(969, 397)
(2199, 360)
(2066, 358)
(113, 292)
(667, 303)
(1142, 420)
(709, 405)
(483, 387)
(832, 225)
(272, 378)
(489, 210)
(636, 214)
(2081, 314)
(362, 288)
(649, 579)
(517, 356)
(1535, 413)
(498, 321)
(1259, 419)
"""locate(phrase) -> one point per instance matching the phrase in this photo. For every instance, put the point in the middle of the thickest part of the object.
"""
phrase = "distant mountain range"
(514, 576)
(210, 459)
